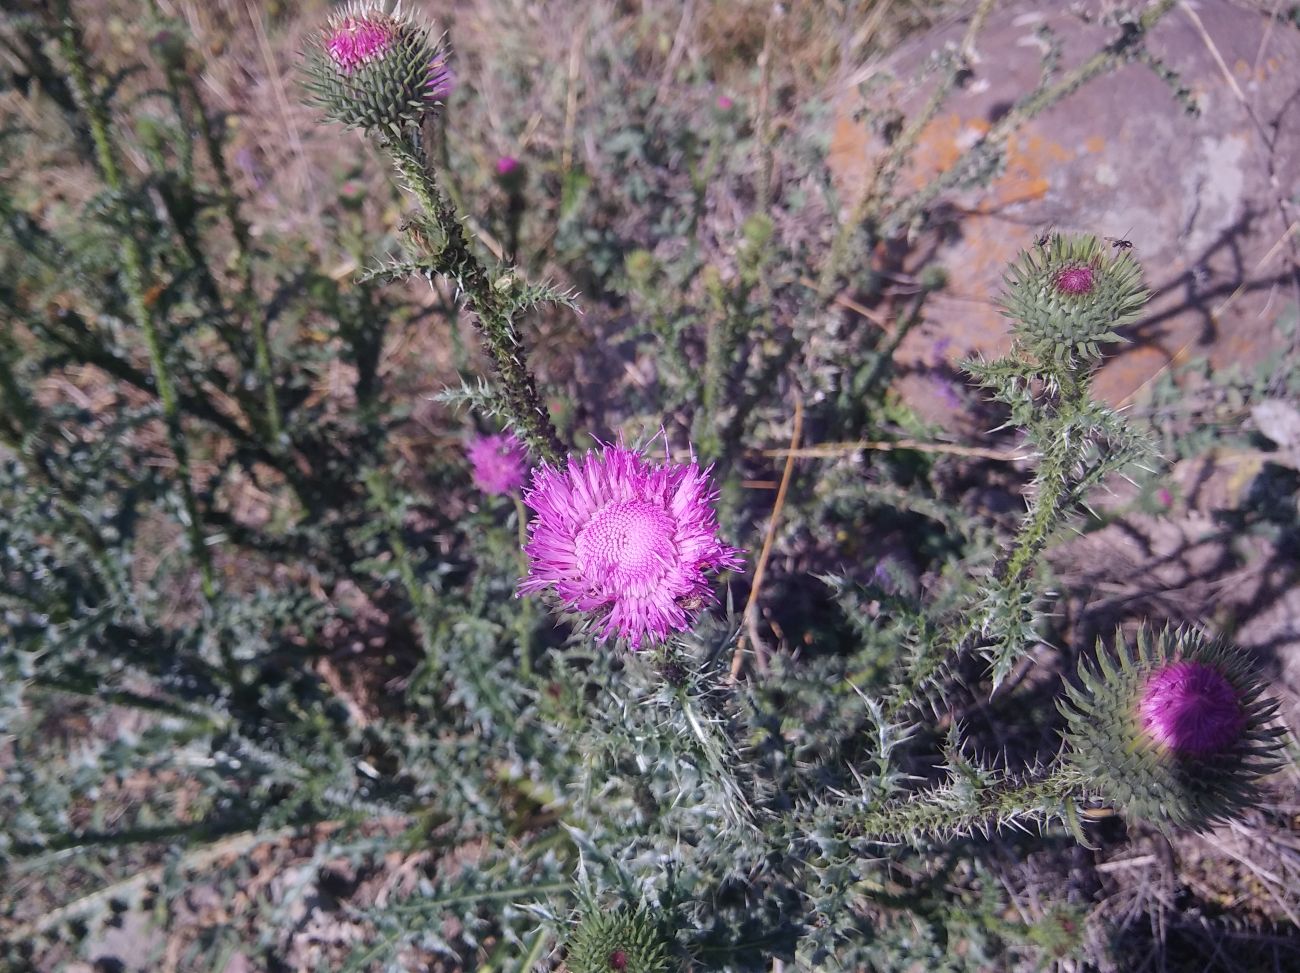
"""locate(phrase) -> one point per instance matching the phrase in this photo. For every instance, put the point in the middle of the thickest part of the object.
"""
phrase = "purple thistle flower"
(725, 103)
(499, 462)
(442, 79)
(626, 541)
(506, 165)
(1191, 708)
(356, 40)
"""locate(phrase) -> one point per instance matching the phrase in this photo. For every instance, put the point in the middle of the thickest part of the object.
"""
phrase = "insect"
(1045, 237)
(1120, 243)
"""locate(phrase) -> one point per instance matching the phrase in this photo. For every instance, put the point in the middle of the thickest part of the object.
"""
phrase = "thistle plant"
(1067, 300)
(377, 70)
(623, 940)
(357, 694)
(499, 463)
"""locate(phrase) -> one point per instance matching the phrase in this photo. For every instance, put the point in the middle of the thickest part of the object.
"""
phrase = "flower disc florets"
(1177, 732)
(1074, 280)
(1068, 297)
(626, 542)
(499, 462)
(377, 70)
(1190, 707)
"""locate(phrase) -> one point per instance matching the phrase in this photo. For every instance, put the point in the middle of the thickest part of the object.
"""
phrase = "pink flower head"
(499, 462)
(357, 40)
(725, 103)
(1191, 708)
(506, 165)
(1075, 280)
(625, 540)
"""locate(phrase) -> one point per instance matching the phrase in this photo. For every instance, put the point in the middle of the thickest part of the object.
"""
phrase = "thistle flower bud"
(623, 941)
(375, 70)
(1069, 295)
(511, 173)
(1176, 733)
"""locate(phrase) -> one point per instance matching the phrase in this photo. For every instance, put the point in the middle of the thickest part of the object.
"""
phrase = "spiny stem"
(527, 410)
(1054, 494)
(943, 814)
(134, 280)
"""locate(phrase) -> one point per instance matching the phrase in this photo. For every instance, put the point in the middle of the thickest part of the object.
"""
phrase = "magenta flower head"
(499, 463)
(511, 174)
(626, 542)
(1177, 732)
(725, 103)
(1190, 707)
(377, 70)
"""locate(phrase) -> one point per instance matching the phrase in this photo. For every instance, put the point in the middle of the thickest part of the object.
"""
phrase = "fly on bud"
(377, 70)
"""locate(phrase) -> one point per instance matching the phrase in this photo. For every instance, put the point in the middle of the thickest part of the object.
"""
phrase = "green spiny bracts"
(626, 940)
(375, 70)
(1175, 731)
(1069, 295)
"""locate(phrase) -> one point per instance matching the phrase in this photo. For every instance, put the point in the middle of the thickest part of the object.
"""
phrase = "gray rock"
(1204, 199)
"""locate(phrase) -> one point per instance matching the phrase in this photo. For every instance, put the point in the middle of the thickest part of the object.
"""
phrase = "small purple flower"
(1191, 708)
(507, 165)
(725, 103)
(499, 462)
(626, 541)
(1075, 280)
(1164, 497)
